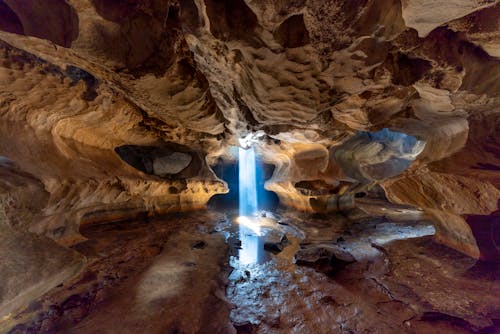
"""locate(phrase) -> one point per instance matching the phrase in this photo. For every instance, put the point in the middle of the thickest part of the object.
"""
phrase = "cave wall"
(309, 76)
(62, 127)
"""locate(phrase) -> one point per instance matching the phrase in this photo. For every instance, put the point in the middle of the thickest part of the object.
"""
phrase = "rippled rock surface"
(114, 111)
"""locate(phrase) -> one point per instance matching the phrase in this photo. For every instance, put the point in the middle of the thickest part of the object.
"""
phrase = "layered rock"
(31, 264)
(63, 125)
(180, 82)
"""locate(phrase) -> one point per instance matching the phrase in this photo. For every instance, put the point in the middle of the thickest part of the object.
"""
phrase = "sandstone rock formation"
(116, 109)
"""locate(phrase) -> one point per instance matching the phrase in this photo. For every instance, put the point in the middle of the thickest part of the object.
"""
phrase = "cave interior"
(249, 166)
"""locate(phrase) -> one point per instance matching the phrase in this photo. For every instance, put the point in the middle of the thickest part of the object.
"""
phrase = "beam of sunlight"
(251, 246)
(249, 223)
(249, 229)
(247, 182)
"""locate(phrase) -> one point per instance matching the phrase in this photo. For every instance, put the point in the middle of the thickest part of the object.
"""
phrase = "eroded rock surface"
(382, 275)
(305, 76)
(364, 276)
(140, 277)
(113, 110)
(31, 265)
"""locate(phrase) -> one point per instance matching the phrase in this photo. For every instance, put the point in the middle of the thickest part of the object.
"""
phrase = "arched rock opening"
(57, 23)
(228, 170)
(171, 161)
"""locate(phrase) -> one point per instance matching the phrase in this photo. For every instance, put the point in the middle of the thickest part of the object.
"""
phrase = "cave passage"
(229, 171)
(377, 156)
(247, 205)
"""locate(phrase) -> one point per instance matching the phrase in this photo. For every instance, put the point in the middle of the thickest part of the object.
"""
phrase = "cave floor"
(204, 273)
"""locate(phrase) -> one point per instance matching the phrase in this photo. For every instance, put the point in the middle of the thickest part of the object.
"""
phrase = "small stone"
(273, 247)
(328, 300)
(200, 244)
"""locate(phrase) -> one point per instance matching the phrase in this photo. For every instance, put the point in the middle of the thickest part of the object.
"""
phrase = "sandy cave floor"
(204, 273)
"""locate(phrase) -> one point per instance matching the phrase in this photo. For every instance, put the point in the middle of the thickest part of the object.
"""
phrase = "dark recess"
(9, 21)
(292, 33)
(405, 70)
(231, 19)
(57, 22)
(142, 157)
(228, 171)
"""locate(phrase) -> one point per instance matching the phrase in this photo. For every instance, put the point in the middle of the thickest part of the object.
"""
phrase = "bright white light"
(250, 223)
(251, 246)
(250, 138)
(249, 229)
(249, 234)
(246, 141)
(247, 182)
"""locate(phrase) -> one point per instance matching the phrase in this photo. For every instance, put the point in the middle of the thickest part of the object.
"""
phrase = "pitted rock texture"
(302, 76)
(31, 265)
